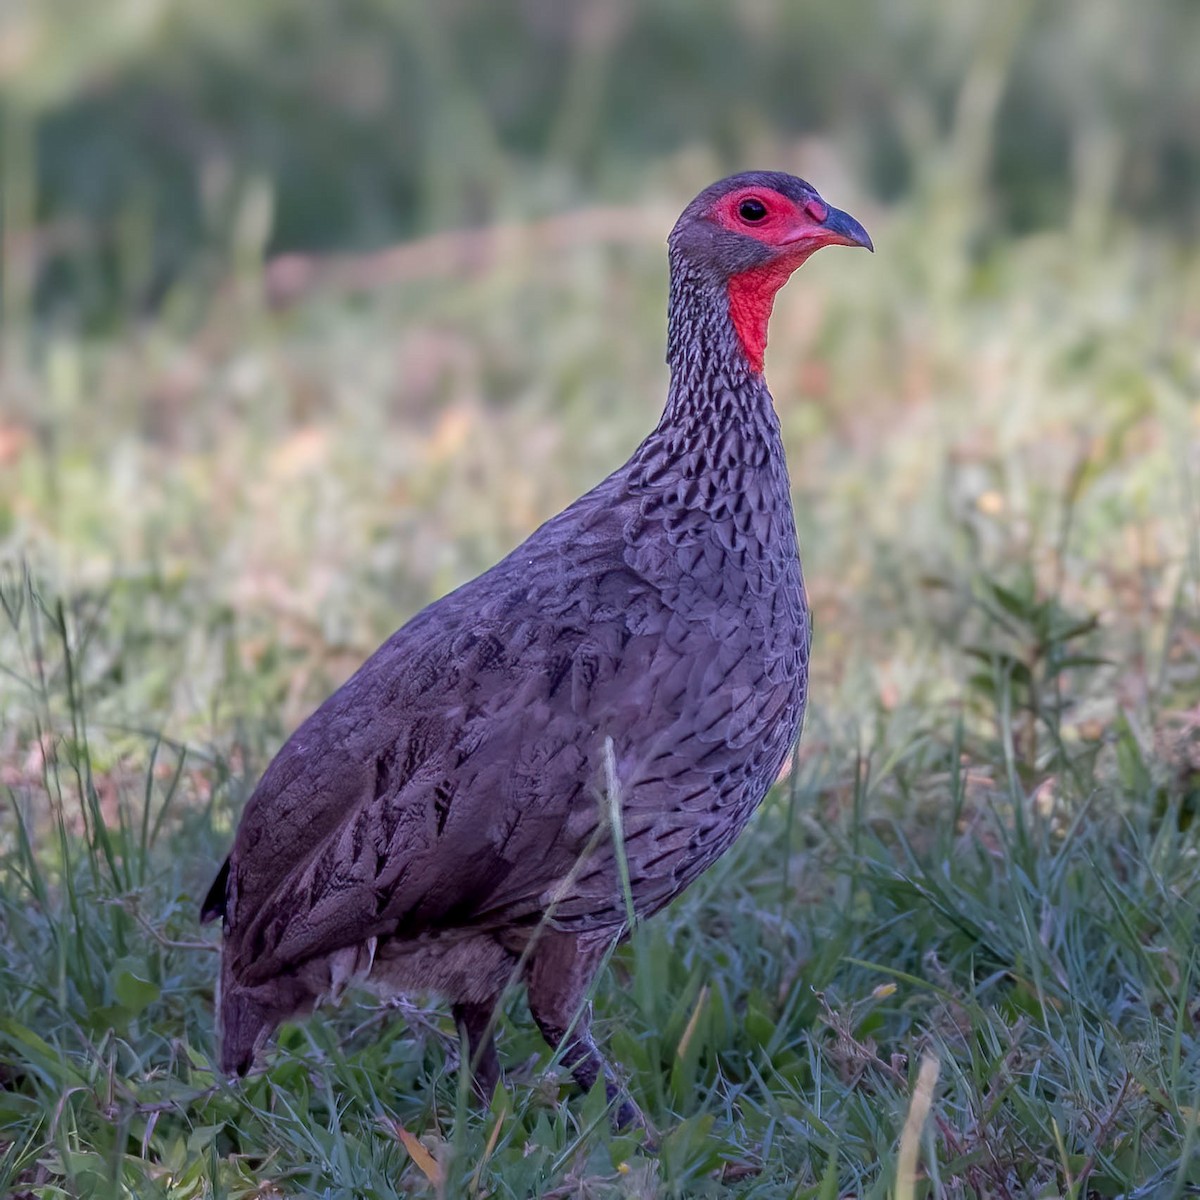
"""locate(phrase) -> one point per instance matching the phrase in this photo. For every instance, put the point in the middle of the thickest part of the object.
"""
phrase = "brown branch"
(290, 277)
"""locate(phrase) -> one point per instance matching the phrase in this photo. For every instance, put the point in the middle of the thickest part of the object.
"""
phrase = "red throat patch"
(751, 298)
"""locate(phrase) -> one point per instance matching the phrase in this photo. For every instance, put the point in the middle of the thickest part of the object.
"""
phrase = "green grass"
(985, 857)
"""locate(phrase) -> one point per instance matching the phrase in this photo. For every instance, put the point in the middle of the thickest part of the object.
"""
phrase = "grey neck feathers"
(712, 385)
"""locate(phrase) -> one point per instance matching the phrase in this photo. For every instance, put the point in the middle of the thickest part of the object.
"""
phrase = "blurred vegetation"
(145, 125)
(311, 312)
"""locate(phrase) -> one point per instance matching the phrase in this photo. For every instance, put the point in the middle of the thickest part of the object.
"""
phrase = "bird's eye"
(751, 209)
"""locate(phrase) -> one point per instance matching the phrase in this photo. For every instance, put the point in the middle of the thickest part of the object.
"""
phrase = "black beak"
(846, 230)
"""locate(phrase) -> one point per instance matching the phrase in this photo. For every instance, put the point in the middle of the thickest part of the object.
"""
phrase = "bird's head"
(746, 234)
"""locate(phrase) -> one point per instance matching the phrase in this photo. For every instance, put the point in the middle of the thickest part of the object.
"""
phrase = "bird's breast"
(718, 542)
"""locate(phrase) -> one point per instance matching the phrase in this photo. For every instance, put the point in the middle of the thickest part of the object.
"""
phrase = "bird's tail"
(215, 902)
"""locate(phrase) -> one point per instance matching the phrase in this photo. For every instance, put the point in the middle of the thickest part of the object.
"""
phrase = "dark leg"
(560, 971)
(484, 1064)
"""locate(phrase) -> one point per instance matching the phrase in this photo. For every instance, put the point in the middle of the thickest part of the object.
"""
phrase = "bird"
(551, 753)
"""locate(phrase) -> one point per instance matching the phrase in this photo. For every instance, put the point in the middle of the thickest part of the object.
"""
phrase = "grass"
(984, 858)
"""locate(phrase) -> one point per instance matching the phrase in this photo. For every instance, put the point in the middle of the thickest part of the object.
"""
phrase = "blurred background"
(143, 138)
(312, 312)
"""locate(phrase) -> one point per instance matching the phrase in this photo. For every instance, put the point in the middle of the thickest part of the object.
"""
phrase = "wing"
(399, 801)
(459, 778)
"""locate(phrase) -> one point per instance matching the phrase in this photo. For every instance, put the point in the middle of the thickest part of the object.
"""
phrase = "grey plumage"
(441, 818)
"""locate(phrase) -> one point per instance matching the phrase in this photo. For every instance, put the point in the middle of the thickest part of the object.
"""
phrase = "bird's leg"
(560, 972)
(483, 1062)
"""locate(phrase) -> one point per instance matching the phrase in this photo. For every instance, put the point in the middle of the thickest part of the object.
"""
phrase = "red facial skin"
(793, 230)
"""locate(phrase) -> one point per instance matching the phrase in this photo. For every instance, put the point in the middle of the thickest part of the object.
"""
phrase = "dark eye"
(751, 209)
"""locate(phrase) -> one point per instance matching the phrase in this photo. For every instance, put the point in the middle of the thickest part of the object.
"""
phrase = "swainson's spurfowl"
(444, 822)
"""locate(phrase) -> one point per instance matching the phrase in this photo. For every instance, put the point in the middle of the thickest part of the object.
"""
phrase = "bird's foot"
(628, 1118)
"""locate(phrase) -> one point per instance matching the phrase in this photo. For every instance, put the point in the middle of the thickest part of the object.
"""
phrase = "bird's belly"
(704, 776)
(463, 966)
(717, 726)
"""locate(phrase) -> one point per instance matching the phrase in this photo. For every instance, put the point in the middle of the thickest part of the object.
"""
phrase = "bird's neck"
(717, 453)
(716, 377)
(714, 466)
